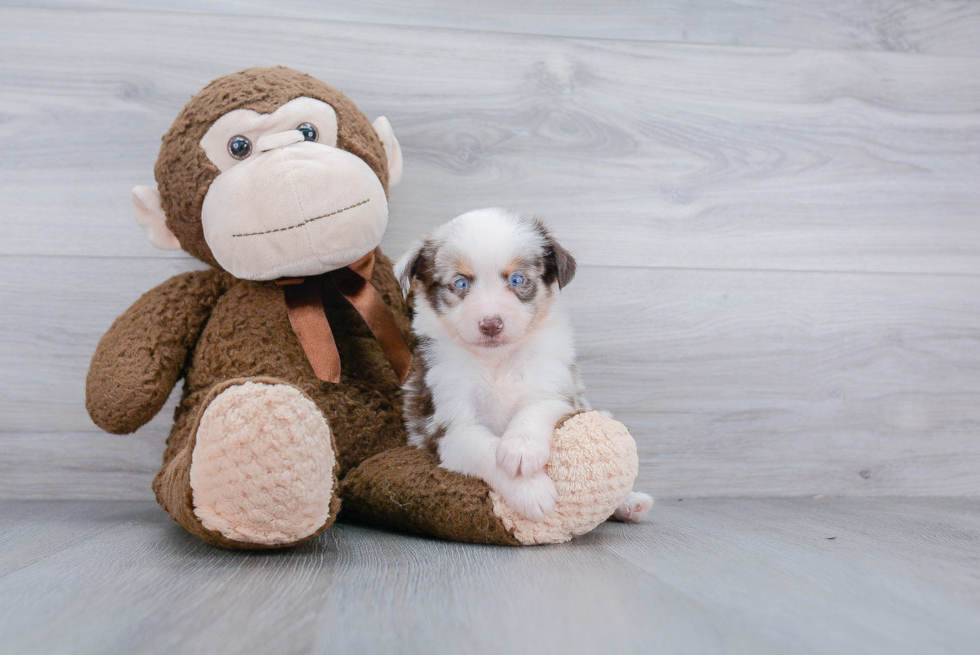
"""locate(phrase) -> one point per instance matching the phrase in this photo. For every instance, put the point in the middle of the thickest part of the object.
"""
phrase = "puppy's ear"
(408, 266)
(559, 264)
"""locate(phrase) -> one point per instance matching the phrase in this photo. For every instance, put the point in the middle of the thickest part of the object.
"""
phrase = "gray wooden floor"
(751, 576)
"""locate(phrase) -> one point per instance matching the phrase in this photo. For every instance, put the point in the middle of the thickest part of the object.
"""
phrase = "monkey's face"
(271, 173)
(288, 202)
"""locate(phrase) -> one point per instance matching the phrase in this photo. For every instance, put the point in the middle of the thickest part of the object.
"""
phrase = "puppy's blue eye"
(461, 283)
(516, 280)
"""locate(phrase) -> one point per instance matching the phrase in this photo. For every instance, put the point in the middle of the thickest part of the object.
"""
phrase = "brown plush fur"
(404, 489)
(215, 331)
(141, 357)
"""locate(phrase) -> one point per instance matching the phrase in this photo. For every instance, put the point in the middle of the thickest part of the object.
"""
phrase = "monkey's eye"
(516, 280)
(308, 130)
(239, 147)
(461, 283)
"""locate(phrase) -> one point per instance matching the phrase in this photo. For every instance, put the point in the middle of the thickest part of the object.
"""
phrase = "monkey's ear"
(393, 151)
(408, 266)
(150, 216)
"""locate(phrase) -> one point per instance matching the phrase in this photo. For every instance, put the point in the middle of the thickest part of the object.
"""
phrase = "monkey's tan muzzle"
(293, 209)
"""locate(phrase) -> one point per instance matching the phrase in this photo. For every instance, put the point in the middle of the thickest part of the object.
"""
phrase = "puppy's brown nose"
(491, 326)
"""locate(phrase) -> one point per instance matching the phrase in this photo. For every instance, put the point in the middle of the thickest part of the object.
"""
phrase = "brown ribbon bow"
(304, 306)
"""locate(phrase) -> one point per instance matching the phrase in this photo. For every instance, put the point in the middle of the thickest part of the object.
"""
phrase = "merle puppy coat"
(495, 367)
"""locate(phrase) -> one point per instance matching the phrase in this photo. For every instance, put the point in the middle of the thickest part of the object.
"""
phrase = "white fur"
(634, 508)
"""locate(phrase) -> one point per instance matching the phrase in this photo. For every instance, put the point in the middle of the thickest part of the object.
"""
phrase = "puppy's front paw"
(533, 497)
(520, 454)
(634, 508)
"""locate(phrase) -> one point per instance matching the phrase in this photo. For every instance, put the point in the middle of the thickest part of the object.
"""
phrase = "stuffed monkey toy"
(293, 344)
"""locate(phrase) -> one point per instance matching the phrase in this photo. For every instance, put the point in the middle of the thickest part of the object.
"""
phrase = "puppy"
(495, 365)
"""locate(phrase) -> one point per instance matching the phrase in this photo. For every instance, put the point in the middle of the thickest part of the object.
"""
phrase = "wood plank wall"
(776, 206)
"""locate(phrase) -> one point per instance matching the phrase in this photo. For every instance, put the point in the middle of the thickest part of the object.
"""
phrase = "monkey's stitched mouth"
(302, 223)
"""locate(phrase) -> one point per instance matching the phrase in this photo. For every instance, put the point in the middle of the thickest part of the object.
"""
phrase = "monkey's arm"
(141, 357)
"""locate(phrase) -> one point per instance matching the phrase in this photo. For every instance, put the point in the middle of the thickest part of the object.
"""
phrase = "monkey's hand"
(139, 360)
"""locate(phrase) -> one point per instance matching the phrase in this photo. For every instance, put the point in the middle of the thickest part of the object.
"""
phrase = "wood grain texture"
(947, 27)
(715, 576)
(640, 154)
(84, 465)
(780, 248)
(732, 382)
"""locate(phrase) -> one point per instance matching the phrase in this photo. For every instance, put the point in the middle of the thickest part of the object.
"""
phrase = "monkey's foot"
(262, 470)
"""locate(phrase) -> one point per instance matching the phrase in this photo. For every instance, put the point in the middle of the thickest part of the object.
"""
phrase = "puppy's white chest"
(500, 395)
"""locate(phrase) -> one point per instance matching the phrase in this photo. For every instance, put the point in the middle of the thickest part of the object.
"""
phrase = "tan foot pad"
(262, 467)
